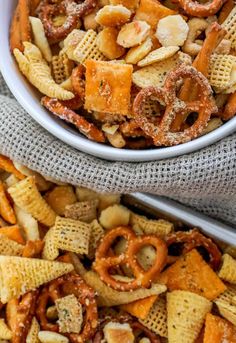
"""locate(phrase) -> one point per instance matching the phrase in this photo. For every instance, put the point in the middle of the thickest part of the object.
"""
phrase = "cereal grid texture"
(205, 180)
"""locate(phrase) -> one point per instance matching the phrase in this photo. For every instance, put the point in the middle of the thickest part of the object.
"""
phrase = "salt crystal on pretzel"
(186, 313)
(20, 275)
(71, 235)
(156, 320)
(70, 315)
(221, 72)
(137, 53)
(32, 336)
(111, 15)
(85, 211)
(36, 70)
(230, 26)
(5, 332)
(228, 269)
(159, 227)
(225, 304)
(87, 49)
(9, 247)
(61, 67)
(40, 38)
(26, 195)
(158, 55)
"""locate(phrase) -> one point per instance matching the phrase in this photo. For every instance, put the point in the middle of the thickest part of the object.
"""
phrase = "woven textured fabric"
(205, 180)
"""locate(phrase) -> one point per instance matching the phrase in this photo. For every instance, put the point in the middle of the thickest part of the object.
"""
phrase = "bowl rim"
(25, 95)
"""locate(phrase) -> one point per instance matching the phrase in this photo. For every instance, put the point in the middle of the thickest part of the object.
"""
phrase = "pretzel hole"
(191, 118)
(58, 20)
(176, 250)
(146, 257)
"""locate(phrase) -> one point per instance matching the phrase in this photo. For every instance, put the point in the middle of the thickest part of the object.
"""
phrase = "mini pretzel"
(78, 82)
(66, 285)
(193, 239)
(205, 106)
(142, 278)
(71, 9)
(196, 9)
(20, 314)
(202, 61)
(65, 113)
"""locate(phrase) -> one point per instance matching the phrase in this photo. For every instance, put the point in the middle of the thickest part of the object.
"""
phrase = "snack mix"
(134, 74)
(79, 266)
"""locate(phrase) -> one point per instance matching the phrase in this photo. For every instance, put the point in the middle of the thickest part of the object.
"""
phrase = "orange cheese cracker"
(192, 273)
(140, 308)
(218, 330)
(152, 11)
(13, 232)
(107, 87)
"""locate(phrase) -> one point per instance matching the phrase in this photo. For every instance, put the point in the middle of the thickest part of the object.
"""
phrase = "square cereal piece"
(108, 87)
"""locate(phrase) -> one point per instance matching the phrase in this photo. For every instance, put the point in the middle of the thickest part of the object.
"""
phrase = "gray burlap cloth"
(205, 180)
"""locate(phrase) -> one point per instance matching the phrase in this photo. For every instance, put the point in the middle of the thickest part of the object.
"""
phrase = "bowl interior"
(29, 98)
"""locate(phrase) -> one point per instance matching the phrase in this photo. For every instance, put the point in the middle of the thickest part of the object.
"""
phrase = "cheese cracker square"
(108, 87)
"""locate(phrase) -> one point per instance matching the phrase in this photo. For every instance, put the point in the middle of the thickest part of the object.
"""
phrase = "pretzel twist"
(20, 314)
(71, 9)
(193, 239)
(66, 285)
(194, 8)
(204, 106)
(142, 278)
(65, 113)
(78, 82)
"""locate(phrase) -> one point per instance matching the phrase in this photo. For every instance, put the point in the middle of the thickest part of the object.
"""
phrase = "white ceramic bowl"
(29, 99)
